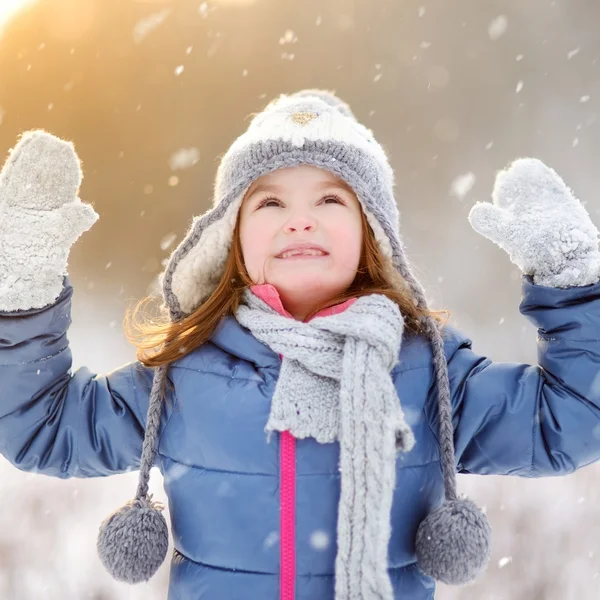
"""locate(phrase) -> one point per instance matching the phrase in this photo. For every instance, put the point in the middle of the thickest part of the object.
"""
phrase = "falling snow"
(289, 37)
(184, 158)
(148, 24)
(319, 540)
(462, 184)
(271, 540)
(215, 44)
(167, 240)
(497, 28)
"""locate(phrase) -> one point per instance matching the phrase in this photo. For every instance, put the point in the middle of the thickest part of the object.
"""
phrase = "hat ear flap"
(196, 265)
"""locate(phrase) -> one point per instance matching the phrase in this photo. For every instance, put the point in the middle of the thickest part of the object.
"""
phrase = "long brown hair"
(160, 341)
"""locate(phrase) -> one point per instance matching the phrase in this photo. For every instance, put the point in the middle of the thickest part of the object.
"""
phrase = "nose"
(300, 223)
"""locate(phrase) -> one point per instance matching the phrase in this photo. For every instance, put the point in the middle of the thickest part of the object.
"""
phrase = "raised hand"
(41, 216)
(546, 231)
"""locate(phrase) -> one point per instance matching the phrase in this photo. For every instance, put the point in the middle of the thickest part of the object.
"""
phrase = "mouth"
(305, 253)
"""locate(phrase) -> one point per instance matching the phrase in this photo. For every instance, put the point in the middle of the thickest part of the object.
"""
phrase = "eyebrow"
(274, 188)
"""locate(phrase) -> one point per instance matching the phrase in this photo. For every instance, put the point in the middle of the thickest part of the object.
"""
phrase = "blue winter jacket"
(221, 476)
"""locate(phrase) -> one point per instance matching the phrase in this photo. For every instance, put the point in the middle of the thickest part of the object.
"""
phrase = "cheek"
(348, 243)
(254, 239)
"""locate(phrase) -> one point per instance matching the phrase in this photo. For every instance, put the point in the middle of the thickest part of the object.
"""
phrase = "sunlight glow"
(9, 8)
(235, 2)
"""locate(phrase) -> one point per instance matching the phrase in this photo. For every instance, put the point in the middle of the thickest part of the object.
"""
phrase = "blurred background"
(152, 93)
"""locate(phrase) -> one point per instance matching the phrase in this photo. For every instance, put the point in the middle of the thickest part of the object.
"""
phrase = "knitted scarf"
(335, 384)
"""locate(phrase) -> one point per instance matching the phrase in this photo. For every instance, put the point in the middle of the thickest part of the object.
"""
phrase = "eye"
(272, 201)
(267, 201)
(333, 197)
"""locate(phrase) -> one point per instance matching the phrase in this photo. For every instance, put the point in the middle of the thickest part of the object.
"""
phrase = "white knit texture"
(276, 123)
(40, 218)
(198, 272)
(546, 231)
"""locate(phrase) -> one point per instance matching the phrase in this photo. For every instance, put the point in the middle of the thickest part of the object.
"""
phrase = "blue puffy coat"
(221, 476)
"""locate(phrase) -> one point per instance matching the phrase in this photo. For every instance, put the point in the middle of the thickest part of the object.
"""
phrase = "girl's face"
(313, 215)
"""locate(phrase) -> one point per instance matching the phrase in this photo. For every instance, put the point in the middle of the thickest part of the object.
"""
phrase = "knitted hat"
(311, 127)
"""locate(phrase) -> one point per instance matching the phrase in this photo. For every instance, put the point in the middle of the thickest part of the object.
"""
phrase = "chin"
(309, 285)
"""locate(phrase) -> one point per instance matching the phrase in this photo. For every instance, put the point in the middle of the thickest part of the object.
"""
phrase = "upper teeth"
(308, 251)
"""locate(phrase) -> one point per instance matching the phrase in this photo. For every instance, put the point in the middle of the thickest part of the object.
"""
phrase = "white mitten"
(546, 231)
(41, 217)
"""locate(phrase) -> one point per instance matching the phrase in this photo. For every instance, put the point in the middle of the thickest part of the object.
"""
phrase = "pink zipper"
(287, 515)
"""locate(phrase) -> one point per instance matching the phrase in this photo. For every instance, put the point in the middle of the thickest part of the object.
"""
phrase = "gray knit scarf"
(335, 384)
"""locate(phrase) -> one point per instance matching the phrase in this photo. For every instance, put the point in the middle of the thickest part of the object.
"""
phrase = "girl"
(308, 411)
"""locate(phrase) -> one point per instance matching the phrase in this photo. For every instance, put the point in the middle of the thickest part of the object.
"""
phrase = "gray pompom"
(133, 541)
(453, 543)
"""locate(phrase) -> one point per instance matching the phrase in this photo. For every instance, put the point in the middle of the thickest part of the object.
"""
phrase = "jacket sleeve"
(60, 423)
(533, 420)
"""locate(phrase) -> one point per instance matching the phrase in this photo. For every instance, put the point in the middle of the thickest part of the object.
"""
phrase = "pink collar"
(269, 294)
